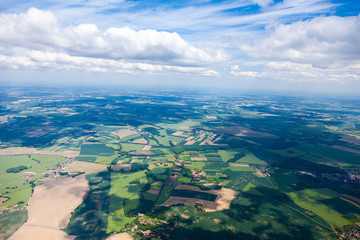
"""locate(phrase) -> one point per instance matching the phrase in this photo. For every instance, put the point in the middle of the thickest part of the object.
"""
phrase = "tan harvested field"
(120, 236)
(208, 184)
(50, 209)
(353, 139)
(213, 143)
(188, 187)
(151, 167)
(351, 202)
(184, 216)
(346, 149)
(52, 203)
(119, 167)
(185, 128)
(356, 199)
(222, 202)
(190, 142)
(142, 152)
(260, 173)
(202, 137)
(36, 133)
(146, 147)
(87, 167)
(124, 133)
(141, 141)
(198, 158)
(239, 165)
(153, 191)
(178, 133)
(28, 232)
(31, 150)
(189, 138)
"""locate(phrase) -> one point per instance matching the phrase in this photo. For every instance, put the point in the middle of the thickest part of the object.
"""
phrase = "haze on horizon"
(291, 45)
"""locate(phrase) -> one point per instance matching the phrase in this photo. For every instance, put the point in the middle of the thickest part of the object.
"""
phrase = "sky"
(285, 45)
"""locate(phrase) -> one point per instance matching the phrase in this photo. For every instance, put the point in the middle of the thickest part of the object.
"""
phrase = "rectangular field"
(124, 188)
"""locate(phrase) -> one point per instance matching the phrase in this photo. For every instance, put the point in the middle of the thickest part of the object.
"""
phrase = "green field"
(195, 165)
(240, 168)
(125, 190)
(11, 221)
(14, 185)
(250, 158)
(193, 194)
(244, 221)
(309, 200)
(226, 155)
(128, 147)
(156, 185)
(96, 149)
(97, 152)
(328, 154)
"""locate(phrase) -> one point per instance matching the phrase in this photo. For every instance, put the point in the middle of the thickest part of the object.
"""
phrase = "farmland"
(125, 198)
(16, 186)
(178, 165)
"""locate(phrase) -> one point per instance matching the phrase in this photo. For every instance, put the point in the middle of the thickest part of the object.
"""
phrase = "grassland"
(16, 186)
(195, 165)
(98, 153)
(124, 196)
(11, 221)
(128, 147)
(309, 200)
(328, 154)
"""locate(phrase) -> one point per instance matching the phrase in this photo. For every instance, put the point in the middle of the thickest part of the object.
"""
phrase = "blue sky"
(287, 45)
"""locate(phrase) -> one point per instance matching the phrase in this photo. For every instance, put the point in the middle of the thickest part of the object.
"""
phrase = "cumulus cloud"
(37, 39)
(322, 42)
(34, 59)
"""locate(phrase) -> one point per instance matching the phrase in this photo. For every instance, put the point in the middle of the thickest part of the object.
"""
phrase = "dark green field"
(10, 222)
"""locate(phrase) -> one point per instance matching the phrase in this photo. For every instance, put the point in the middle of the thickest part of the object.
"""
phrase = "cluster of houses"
(197, 175)
(58, 169)
(141, 223)
(348, 233)
(352, 177)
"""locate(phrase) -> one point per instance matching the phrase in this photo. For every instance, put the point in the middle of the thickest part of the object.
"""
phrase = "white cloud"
(34, 59)
(263, 3)
(301, 72)
(246, 73)
(323, 42)
(37, 39)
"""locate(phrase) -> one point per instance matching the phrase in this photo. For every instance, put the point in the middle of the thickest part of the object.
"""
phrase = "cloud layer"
(36, 37)
(323, 48)
(264, 40)
(324, 42)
